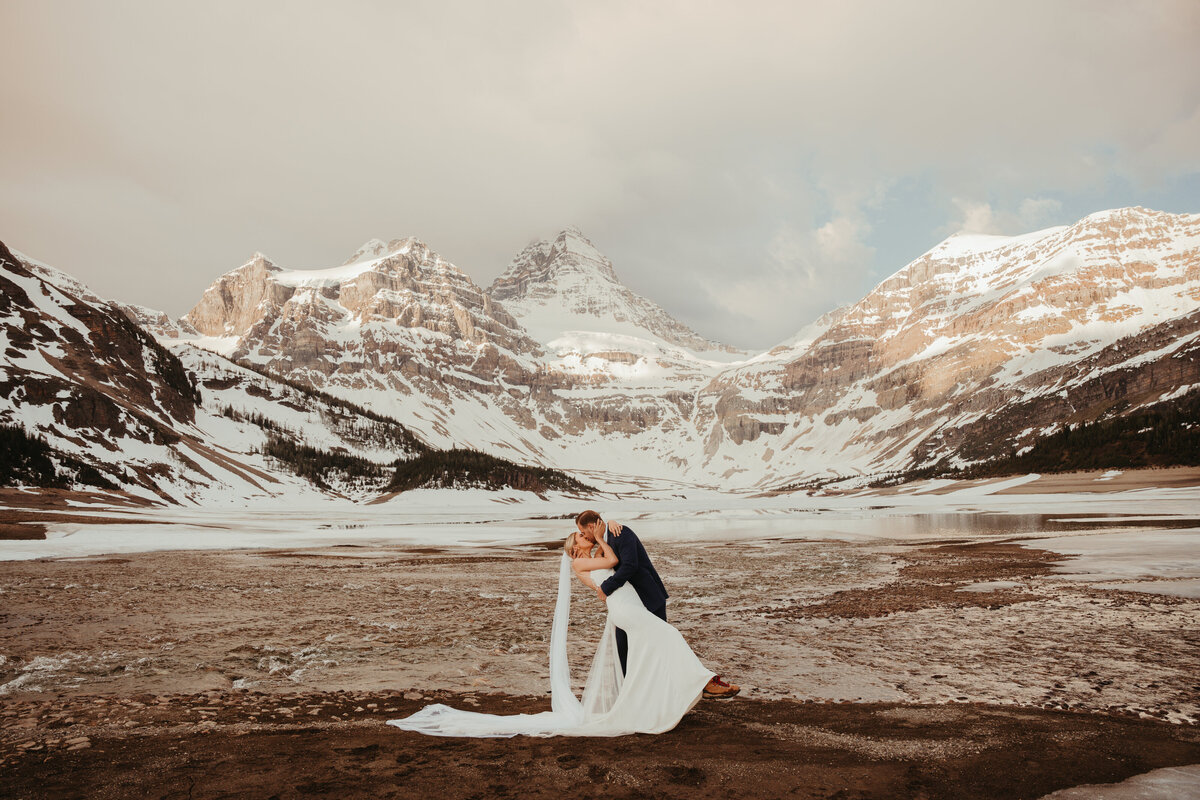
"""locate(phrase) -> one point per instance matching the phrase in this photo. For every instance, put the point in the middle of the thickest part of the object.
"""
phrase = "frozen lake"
(1124, 536)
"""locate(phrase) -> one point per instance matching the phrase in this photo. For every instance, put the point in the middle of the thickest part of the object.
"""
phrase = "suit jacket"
(634, 567)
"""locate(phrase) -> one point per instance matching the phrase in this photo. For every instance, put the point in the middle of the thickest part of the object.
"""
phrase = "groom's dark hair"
(587, 518)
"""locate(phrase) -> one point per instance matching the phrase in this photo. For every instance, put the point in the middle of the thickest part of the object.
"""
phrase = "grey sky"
(746, 165)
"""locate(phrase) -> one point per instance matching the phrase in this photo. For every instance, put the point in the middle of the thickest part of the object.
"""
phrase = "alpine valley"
(980, 349)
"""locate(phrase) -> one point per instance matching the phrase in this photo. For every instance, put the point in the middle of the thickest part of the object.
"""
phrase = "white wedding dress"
(663, 680)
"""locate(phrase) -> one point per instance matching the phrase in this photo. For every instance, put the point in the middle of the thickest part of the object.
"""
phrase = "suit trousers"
(623, 640)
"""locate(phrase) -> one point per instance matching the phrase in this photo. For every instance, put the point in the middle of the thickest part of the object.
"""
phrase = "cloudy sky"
(746, 165)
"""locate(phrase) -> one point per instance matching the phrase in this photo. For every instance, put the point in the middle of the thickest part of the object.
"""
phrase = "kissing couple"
(644, 677)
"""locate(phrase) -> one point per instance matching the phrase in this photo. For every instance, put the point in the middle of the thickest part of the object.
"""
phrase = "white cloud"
(976, 216)
(840, 243)
(806, 272)
(1037, 211)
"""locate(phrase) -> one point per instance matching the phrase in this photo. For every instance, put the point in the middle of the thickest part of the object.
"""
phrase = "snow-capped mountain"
(617, 363)
(596, 378)
(973, 350)
(399, 329)
(407, 287)
(396, 328)
(156, 322)
(969, 338)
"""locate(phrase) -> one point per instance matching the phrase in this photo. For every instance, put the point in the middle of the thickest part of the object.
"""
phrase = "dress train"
(663, 681)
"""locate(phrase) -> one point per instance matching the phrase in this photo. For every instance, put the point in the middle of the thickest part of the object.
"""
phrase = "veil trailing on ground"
(568, 713)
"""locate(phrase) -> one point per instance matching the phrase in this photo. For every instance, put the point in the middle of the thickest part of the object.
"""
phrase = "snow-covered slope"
(242, 409)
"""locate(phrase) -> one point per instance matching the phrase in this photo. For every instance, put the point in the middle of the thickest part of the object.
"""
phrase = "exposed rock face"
(1149, 367)
(170, 425)
(363, 324)
(237, 300)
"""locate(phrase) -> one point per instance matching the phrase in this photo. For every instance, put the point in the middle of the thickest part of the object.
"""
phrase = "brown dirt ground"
(335, 745)
(1072, 482)
(14, 531)
(1087, 482)
(932, 578)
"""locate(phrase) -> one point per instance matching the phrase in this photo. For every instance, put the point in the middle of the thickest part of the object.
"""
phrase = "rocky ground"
(927, 669)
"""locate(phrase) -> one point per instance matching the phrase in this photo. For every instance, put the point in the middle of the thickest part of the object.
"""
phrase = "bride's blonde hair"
(570, 544)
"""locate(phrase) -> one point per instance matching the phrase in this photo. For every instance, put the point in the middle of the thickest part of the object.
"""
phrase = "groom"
(634, 567)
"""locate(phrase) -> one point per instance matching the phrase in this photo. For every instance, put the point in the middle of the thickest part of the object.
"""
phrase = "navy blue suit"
(635, 568)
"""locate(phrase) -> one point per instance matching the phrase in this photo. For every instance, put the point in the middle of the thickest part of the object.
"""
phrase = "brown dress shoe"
(718, 689)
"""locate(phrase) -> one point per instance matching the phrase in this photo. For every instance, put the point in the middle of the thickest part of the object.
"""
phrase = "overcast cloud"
(749, 166)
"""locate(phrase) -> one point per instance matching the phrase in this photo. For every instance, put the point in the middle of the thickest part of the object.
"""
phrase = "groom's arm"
(625, 547)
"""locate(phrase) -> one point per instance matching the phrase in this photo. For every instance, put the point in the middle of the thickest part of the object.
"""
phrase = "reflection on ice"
(1170, 588)
(1129, 554)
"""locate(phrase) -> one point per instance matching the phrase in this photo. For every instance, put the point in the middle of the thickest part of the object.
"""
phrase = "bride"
(663, 677)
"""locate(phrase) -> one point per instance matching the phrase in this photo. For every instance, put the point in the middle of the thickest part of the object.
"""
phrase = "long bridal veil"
(568, 714)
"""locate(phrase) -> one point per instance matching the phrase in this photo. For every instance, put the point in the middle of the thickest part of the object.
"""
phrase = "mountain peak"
(1110, 222)
(567, 284)
(572, 238)
(546, 260)
(373, 249)
(261, 259)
